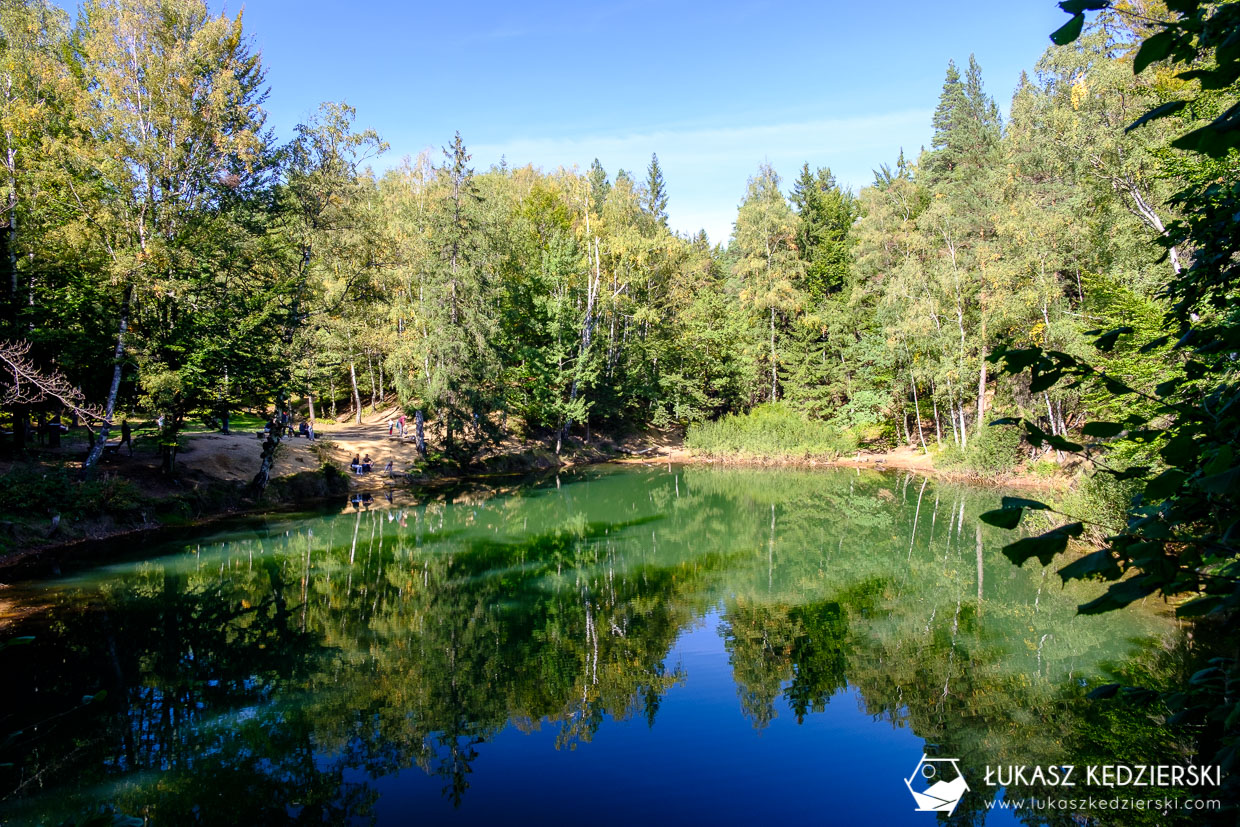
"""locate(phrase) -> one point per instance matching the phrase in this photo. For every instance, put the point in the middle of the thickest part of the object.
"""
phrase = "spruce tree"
(599, 185)
(966, 127)
(656, 191)
(826, 214)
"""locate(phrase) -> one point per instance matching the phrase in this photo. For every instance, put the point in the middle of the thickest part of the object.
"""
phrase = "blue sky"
(714, 88)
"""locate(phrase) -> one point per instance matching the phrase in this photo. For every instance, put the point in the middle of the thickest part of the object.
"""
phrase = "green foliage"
(1174, 450)
(28, 491)
(771, 430)
(656, 191)
(993, 450)
(824, 238)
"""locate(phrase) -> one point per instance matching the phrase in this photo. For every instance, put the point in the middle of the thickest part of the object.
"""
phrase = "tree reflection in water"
(264, 676)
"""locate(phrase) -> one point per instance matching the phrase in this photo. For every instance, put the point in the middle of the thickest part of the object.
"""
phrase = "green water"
(639, 643)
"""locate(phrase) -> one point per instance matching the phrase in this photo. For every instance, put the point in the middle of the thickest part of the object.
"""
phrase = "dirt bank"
(905, 458)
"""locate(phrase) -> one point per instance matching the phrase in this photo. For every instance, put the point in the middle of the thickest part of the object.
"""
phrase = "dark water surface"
(617, 646)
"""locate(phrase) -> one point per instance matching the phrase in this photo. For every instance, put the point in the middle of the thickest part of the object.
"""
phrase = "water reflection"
(274, 675)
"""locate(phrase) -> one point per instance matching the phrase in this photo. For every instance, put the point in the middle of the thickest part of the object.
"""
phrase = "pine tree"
(456, 358)
(599, 185)
(826, 215)
(767, 265)
(656, 191)
(966, 127)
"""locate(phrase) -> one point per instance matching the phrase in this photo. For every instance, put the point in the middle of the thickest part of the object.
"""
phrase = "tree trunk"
(774, 371)
(370, 370)
(917, 415)
(587, 336)
(20, 417)
(951, 413)
(97, 449)
(938, 429)
(168, 443)
(259, 483)
(310, 402)
(1142, 209)
(11, 230)
(981, 382)
(357, 397)
(419, 437)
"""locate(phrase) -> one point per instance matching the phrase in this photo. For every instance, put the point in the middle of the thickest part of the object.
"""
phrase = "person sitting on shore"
(366, 464)
(356, 465)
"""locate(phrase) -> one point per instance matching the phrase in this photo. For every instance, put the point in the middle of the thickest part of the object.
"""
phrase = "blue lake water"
(619, 644)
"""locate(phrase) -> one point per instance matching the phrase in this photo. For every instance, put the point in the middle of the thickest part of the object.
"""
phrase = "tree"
(966, 127)
(826, 214)
(459, 334)
(599, 185)
(959, 174)
(172, 129)
(1179, 536)
(34, 85)
(655, 201)
(768, 266)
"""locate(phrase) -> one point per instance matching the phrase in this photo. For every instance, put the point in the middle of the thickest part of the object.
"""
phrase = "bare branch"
(25, 384)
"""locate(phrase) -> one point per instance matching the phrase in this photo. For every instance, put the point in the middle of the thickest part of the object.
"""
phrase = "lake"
(613, 645)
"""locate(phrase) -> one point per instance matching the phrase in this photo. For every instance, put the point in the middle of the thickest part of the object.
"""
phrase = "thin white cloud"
(707, 168)
(703, 146)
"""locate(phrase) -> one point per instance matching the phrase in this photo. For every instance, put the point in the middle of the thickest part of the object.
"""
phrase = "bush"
(772, 431)
(39, 491)
(992, 450)
(1101, 500)
(864, 409)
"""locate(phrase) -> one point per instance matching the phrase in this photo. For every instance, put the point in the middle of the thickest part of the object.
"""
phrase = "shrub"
(1102, 500)
(38, 491)
(992, 450)
(773, 431)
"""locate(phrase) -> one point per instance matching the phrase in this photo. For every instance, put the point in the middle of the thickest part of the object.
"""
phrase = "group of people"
(397, 427)
(364, 465)
(282, 424)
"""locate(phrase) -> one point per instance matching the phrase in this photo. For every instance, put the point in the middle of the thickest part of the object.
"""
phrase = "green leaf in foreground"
(1108, 690)
(1069, 31)
(1102, 429)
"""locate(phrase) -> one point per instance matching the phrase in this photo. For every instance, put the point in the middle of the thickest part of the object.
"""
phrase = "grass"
(239, 422)
(768, 432)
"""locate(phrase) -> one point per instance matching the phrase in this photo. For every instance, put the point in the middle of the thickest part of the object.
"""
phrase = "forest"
(166, 254)
(1047, 287)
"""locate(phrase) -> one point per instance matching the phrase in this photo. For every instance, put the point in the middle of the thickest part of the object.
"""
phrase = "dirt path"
(236, 456)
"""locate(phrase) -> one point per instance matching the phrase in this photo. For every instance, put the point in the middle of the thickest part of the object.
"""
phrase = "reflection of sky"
(759, 539)
(702, 763)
